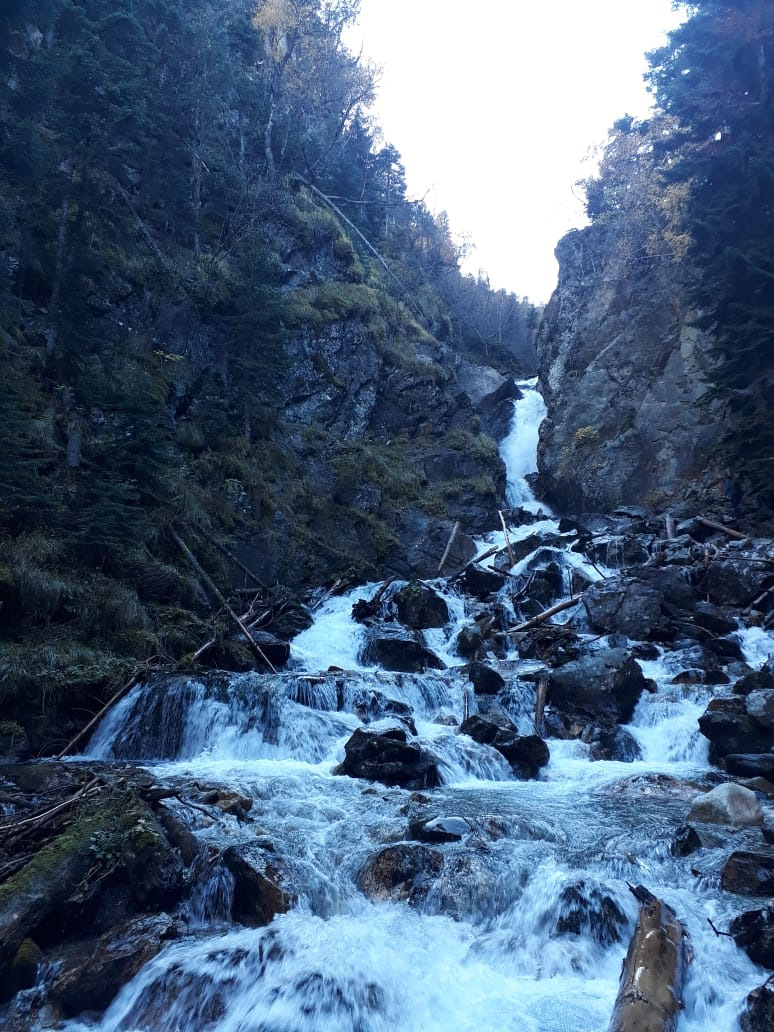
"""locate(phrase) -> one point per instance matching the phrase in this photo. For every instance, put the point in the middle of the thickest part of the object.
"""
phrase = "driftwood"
(97, 716)
(540, 701)
(507, 539)
(449, 544)
(724, 530)
(650, 989)
(545, 615)
(255, 648)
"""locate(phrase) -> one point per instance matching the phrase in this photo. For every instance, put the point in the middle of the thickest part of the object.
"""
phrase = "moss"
(584, 436)
(480, 446)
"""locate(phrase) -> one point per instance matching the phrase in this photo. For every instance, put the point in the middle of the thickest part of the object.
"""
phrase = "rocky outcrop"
(622, 366)
(388, 756)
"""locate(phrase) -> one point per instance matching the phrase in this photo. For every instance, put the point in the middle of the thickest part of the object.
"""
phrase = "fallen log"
(507, 539)
(445, 555)
(255, 648)
(724, 530)
(545, 615)
(98, 716)
(650, 990)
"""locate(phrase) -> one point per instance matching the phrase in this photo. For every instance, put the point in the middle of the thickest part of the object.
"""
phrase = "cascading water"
(527, 923)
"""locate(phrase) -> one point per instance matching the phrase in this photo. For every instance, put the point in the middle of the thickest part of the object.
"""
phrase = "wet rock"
(554, 644)
(484, 679)
(733, 582)
(440, 829)
(419, 606)
(686, 841)
(749, 874)
(758, 1015)
(93, 972)
(389, 757)
(22, 972)
(751, 765)
(727, 804)
(753, 932)
(179, 835)
(713, 618)
(466, 887)
(605, 684)
(619, 605)
(370, 705)
(399, 651)
(469, 640)
(591, 911)
(759, 705)
(731, 730)
(525, 753)
(482, 582)
(402, 873)
(611, 742)
(756, 680)
(261, 884)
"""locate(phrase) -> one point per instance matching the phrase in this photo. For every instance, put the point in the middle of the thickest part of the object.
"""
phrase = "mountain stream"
(525, 925)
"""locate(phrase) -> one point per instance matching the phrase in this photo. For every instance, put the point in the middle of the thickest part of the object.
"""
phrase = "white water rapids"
(500, 942)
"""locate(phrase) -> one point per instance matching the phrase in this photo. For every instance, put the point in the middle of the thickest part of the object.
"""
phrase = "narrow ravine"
(520, 920)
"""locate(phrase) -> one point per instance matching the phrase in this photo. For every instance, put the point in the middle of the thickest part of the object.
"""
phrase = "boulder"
(685, 841)
(400, 651)
(402, 873)
(469, 640)
(525, 753)
(370, 705)
(481, 582)
(753, 932)
(605, 684)
(758, 1015)
(727, 804)
(751, 765)
(611, 742)
(389, 757)
(733, 582)
(93, 972)
(589, 910)
(261, 884)
(731, 730)
(749, 874)
(756, 680)
(419, 606)
(620, 605)
(485, 680)
(759, 705)
(440, 829)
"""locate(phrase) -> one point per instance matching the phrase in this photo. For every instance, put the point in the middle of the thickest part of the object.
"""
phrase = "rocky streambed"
(433, 816)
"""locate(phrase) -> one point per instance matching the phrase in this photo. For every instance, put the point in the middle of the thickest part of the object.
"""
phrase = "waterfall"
(527, 918)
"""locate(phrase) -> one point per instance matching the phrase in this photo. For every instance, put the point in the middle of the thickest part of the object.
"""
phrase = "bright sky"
(494, 104)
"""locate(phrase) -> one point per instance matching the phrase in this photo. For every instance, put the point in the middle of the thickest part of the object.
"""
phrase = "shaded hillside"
(220, 314)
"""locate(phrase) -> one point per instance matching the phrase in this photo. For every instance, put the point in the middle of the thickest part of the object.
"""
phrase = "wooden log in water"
(650, 991)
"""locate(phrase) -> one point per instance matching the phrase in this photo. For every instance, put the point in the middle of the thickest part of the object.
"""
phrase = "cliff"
(622, 370)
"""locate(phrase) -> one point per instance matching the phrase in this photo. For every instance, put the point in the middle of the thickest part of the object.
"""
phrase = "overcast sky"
(495, 104)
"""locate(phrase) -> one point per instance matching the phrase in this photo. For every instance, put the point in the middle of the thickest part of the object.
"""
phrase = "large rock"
(419, 606)
(525, 753)
(758, 1014)
(753, 932)
(750, 765)
(602, 685)
(402, 873)
(749, 874)
(262, 884)
(400, 651)
(731, 730)
(619, 605)
(727, 804)
(484, 679)
(93, 972)
(482, 582)
(760, 706)
(389, 757)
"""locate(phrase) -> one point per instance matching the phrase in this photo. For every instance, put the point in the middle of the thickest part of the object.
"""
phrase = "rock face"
(621, 369)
